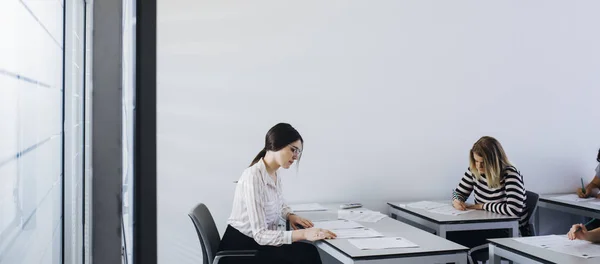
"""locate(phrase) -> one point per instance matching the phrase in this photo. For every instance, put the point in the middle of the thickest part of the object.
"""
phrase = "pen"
(579, 228)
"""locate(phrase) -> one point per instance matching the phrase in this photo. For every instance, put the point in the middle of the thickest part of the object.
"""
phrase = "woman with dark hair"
(258, 205)
(594, 184)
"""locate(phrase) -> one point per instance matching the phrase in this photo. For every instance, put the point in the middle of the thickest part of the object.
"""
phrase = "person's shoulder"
(251, 174)
(468, 172)
(511, 171)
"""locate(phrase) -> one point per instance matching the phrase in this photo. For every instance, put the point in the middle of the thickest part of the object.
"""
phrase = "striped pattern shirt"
(508, 199)
(258, 206)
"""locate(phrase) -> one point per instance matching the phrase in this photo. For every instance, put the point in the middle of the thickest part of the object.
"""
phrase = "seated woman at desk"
(258, 205)
(594, 184)
(589, 191)
(498, 188)
(579, 231)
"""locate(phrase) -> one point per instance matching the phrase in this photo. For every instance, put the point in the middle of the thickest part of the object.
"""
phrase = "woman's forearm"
(593, 236)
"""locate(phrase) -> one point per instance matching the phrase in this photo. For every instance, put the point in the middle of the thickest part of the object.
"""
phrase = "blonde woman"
(497, 186)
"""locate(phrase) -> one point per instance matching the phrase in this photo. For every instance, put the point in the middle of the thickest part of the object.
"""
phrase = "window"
(31, 141)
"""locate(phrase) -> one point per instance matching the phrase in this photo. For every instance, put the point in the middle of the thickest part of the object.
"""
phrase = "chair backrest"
(531, 206)
(208, 234)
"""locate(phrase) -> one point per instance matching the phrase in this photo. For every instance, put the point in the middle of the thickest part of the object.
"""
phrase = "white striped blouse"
(258, 206)
(508, 199)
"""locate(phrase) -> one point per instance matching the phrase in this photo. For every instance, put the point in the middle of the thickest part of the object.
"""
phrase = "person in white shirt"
(594, 184)
(589, 192)
(258, 206)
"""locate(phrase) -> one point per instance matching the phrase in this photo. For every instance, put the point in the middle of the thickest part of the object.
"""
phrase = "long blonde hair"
(494, 160)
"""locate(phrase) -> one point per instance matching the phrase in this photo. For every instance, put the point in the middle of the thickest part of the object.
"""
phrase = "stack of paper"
(562, 244)
(382, 243)
(337, 224)
(361, 215)
(573, 198)
(307, 207)
(347, 229)
(356, 233)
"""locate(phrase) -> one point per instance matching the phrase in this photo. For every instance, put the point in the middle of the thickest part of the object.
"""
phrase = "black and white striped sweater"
(508, 199)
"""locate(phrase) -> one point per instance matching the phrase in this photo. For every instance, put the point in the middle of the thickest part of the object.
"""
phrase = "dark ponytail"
(278, 137)
(260, 155)
(598, 158)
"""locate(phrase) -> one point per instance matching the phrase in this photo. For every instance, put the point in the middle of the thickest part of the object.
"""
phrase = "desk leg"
(536, 222)
(462, 258)
(515, 229)
(441, 231)
(494, 259)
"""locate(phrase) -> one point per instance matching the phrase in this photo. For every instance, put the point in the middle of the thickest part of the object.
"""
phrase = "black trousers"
(475, 238)
(295, 253)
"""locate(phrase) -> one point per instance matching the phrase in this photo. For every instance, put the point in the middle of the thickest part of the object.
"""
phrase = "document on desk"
(337, 224)
(573, 198)
(562, 244)
(356, 233)
(448, 210)
(307, 207)
(595, 202)
(382, 243)
(425, 205)
(361, 215)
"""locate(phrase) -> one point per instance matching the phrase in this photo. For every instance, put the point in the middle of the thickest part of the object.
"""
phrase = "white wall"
(388, 95)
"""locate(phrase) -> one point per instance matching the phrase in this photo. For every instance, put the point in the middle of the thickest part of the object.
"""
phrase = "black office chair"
(531, 203)
(210, 238)
(480, 253)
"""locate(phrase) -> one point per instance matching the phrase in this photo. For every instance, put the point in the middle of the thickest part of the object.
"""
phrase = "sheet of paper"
(337, 224)
(580, 248)
(425, 205)
(573, 198)
(448, 210)
(307, 207)
(541, 241)
(382, 243)
(361, 215)
(595, 202)
(562, 244)
(356, 233)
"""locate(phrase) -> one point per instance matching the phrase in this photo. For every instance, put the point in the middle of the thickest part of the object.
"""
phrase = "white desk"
(432, 249)
(441, 224)
(522, 253)
(577, 208)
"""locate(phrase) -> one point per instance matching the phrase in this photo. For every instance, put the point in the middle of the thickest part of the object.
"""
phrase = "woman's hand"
(587, 193)
(459, 205)
(296, 221)
(577, 231)
(314, 234)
